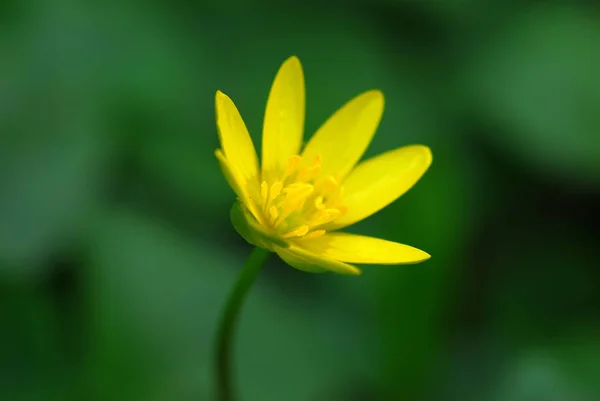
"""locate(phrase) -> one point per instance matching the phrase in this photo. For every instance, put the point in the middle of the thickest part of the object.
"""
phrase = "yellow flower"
(296, 200)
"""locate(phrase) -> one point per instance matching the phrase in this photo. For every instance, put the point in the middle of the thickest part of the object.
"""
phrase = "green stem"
(227, 326)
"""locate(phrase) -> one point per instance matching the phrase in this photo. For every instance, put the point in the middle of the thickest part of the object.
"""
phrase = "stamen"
(313, 234)
(292, 166)
(343, 209)
(319, 203)
(276, 189)
(337, 199)
(318, 218)
(326, 185)
(301, 191)
(293, 201)
(301, 201)
(273, 193)
(298, 232)
(264, 189)
(323, 217)
(273, 212)
(293, 186)
(310, 172)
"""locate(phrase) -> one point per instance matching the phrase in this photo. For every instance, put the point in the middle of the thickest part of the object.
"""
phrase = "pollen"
(301, 202)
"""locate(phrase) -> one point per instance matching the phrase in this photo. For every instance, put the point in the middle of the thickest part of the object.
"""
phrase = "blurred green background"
(116, 250)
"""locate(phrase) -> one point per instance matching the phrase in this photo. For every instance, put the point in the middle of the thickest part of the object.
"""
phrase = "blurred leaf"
(552, 373)
(536, 377)
(579, 357)
(562, 369)
(454, 10)
(185, 168)
(541, 82)
(551, 276)
(32, 366)
(52, 155)
(48, 186)
(161, 85)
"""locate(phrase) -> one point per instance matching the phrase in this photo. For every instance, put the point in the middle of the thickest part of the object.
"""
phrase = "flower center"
(300, 203)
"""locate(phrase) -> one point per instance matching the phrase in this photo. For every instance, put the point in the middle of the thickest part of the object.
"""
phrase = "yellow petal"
(284, 118)
(312, 263)
(377, 182)
(353, 248)
(239, 185)
(235, 140)
(235, 182)
(344, 137)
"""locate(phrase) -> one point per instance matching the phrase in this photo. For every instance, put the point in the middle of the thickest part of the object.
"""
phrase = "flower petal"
(235, 140)
(353, 248)
(344, 137)
(313, 263)
(377, 182)
(239, 185)
(284, 118)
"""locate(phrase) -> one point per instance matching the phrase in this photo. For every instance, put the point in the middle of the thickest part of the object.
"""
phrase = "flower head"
(297, 199)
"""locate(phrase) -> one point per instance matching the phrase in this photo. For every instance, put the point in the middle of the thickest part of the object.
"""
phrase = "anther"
(293, 187)
(264, 190)
(269, 194)
(299, 232)
(326, 185)
(343, 209)
(309, 173)
(319, 205)
(293, 201)
(276, 189)
(323, 217)
(273, 212)
(313, 234)
(300, 192)
(318, 218)
(274, 192)
(292, 165)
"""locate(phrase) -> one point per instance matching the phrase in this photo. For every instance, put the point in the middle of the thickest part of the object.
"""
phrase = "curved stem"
(227, 326)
